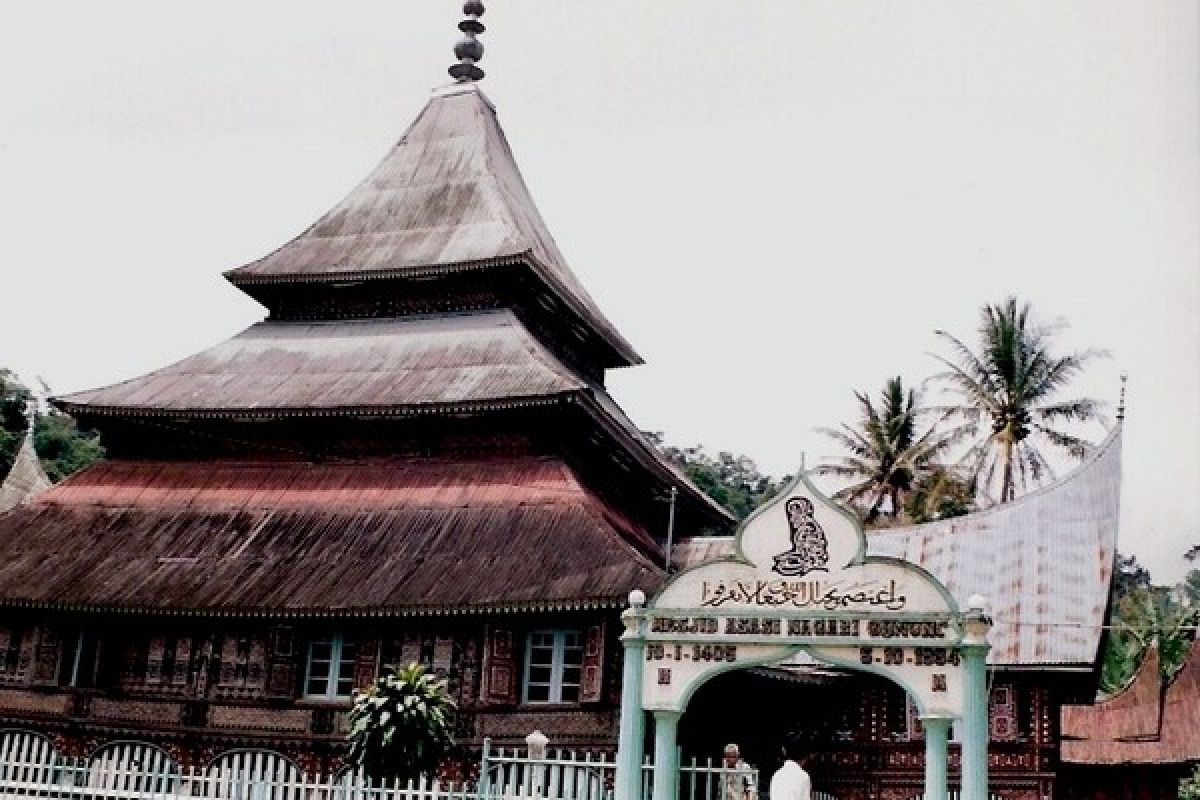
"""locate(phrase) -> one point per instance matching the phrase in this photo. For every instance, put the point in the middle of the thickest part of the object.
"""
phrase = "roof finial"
(469, 50)
(1121, 402)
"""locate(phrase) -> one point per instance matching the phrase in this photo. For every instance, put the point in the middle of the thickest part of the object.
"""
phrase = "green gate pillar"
(976, 625)
(628, 781)
(937, 730)
(666, 755)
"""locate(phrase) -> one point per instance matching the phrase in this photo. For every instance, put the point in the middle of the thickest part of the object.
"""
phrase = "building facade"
(412, 458)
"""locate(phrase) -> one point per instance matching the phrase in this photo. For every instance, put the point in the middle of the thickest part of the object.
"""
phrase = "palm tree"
(887, 456)
(1012, 384)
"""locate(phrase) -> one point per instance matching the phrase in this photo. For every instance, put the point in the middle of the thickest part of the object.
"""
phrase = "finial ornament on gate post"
(469, 50)
(630, 747)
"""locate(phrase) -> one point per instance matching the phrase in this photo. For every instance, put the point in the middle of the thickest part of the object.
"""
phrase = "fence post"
(483, 787)
(535, 744)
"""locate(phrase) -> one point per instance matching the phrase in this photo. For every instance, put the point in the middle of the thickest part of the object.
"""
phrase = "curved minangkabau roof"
(1044, 561)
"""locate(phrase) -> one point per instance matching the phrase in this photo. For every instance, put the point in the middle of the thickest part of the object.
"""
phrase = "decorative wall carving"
(145, 712)
(595, 724)
(259, 719)
(26, 702)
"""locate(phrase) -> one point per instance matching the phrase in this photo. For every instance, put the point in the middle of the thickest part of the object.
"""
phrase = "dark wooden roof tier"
(448, 197)
(420, 536)
(1145, 723)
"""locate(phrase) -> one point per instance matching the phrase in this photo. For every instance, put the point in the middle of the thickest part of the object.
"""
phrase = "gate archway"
(800, 580)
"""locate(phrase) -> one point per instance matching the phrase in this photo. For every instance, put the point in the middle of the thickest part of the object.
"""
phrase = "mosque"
(414, 457)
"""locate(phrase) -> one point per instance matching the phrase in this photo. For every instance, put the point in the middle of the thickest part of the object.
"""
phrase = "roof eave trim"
(240, 279)
(605, 329)
(369, 612)
(426, 409)
(653, 461)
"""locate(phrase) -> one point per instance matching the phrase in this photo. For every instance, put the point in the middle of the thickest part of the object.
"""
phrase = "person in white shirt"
(790, 781)
(737, 776)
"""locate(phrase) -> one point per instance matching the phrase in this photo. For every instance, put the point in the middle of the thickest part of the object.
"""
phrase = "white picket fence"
(30, 766)
(568, 775)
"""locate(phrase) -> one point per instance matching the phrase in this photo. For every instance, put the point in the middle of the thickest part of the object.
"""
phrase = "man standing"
(790, 782)
(737, 776)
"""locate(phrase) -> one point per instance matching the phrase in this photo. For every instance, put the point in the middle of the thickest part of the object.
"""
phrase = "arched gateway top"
(801, 580)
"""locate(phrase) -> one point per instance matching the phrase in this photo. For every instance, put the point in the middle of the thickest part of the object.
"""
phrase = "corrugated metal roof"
(1142, 724)
(397, 536)
(25, 478)
(349, 364)
(450, 195)
(1043, 561)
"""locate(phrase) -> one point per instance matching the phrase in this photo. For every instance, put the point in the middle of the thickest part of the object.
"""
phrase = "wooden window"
(10, 652)
(330, 673)
(499, 678)
(553, 664)
(1002, 714)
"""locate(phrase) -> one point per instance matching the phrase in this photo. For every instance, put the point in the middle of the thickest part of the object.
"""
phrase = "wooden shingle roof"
(348, 365)
(1143, 724)
(445, 363)
(447, 197)
(403, 536)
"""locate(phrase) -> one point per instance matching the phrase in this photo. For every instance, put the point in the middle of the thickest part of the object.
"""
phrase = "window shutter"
(256, 667)
(183, 659)
(229, 654)
(154, 659)
(499, 671)
(1002, 716)
(365, 660)
(45, 659)
(591, 690)
(281, 663)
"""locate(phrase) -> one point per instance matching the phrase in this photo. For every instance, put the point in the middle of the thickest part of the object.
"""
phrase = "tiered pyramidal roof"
(447, 198)
(429, 383)
(443, 224)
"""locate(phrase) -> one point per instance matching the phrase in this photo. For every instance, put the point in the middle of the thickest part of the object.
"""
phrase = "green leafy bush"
(400, 726)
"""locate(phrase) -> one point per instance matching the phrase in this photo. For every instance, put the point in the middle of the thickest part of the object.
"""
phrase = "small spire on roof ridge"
(469, 50)
(1121, 401)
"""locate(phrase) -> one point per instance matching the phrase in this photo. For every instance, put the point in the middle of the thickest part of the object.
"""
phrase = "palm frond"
(1074, 445)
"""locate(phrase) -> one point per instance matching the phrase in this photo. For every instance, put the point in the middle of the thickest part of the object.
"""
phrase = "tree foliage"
(1189, 787)
(734, 481)
(1006, 395)
(61, 447)
(400, 727)
(1190, 588)
(939, 495)
(889, 458)
(1143, 615)
(15, 399)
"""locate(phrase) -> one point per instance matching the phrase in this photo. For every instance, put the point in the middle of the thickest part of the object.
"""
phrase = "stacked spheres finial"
(469, 50)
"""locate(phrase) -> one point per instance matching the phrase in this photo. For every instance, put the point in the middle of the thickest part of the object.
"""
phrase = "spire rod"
(469, 50)
(1121, 402)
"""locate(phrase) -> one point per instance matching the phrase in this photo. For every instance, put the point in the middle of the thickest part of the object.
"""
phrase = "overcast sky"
(777, 202)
